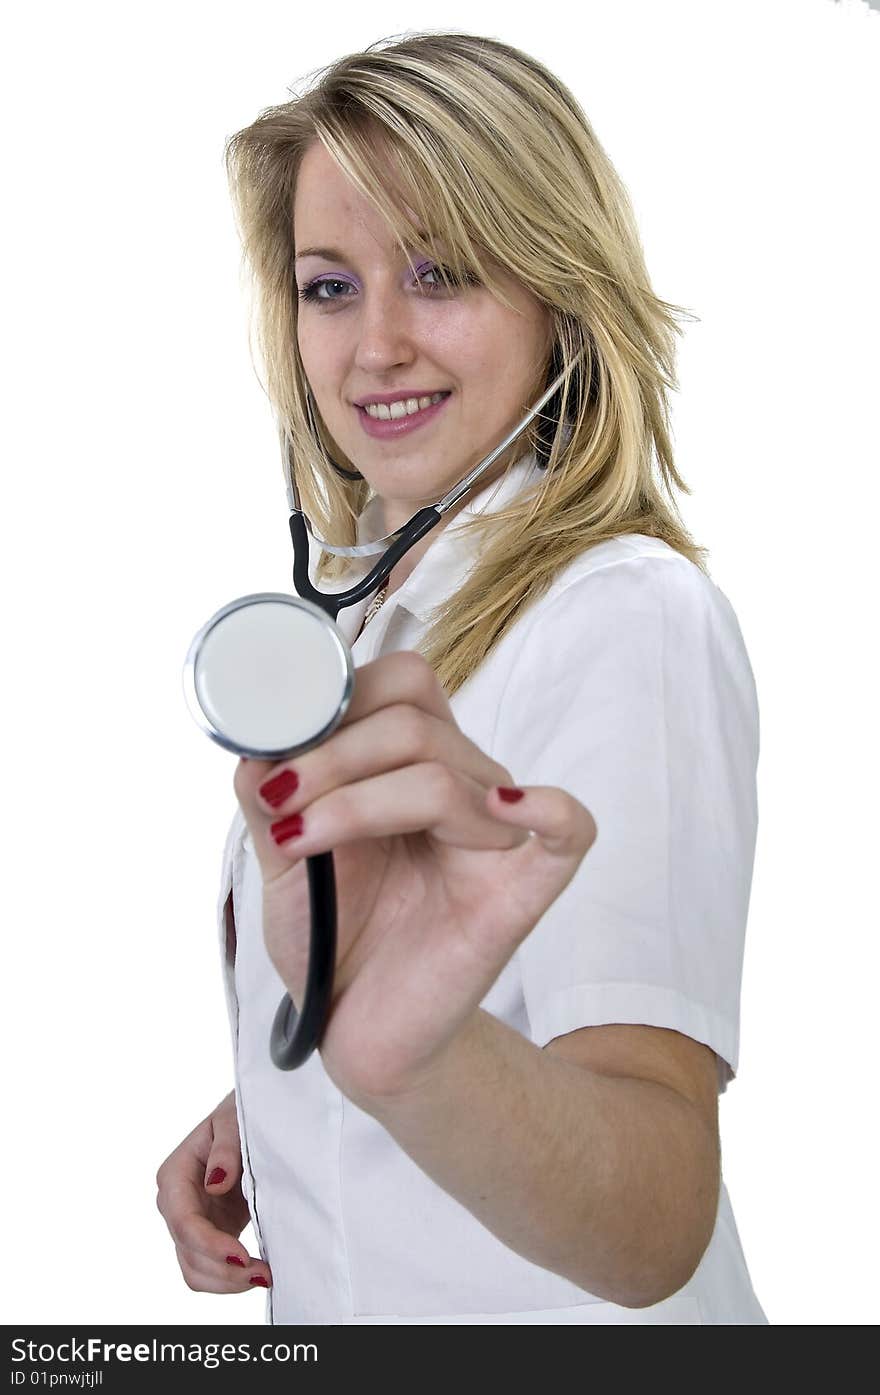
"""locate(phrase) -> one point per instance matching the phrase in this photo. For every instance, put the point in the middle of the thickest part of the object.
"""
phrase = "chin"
(411, 481)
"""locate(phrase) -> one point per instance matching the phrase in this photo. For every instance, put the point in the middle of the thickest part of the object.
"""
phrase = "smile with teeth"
(407, 407)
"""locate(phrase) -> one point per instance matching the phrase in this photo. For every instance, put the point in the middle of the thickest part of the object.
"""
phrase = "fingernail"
(234, 1259)
(259, 1280)
(290, 827)
(282, 787)
(216, 1176)
(509, 794)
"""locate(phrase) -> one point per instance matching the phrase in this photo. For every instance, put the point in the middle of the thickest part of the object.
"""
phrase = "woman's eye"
(312, 290)
(446, 278)
(430, 271)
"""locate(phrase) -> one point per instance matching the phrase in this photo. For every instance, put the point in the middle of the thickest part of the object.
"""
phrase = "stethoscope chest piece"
(269, 676)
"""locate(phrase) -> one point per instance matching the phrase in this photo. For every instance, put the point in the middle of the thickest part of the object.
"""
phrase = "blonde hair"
(497, 161)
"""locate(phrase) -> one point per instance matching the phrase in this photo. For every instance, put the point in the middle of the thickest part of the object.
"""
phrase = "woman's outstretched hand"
(438, 879)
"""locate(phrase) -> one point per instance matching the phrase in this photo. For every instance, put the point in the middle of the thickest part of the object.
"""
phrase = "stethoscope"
(269, 676)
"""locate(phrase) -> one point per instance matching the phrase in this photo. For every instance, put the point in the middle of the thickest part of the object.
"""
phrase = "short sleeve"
(633, 691)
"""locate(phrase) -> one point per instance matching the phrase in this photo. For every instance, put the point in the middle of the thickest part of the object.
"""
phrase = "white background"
(143, 490)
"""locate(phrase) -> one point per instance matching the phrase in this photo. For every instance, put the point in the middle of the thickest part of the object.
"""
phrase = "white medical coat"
(628, 684)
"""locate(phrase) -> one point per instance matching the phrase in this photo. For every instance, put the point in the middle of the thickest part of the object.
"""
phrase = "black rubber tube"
(295, 1035)
(332, 602)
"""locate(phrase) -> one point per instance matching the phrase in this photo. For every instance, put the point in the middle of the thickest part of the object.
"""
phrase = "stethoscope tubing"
(420, 524)
(295, 1036)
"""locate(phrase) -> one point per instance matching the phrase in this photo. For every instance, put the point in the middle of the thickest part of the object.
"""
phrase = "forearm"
(609, 1181)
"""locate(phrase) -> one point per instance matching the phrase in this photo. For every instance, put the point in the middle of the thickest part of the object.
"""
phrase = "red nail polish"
(509, 794)
(282, 787)
(258, 1279)
(290, 827)
(216, 1176)
(234, 1259)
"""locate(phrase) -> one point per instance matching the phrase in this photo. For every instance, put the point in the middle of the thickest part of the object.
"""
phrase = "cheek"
(506, 346)
(302, 344)
(468, 347)
(316, 355)
(503, 360)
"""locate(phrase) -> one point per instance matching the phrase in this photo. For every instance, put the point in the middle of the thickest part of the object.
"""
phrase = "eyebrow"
(331, 253)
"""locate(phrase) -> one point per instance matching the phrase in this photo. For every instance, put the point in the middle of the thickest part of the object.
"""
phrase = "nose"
(385, 337)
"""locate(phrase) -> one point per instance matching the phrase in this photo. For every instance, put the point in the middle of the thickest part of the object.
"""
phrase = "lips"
(400, 426)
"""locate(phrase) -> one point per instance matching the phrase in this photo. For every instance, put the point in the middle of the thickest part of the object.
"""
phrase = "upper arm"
(647, 1053)
(633, 692)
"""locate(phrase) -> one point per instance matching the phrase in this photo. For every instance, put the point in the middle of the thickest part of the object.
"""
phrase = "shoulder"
(630, 607)
(635, 576)
(622, 565)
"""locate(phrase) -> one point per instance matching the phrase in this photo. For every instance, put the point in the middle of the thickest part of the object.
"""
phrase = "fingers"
(426, 797)
(400, 717)
(211, 1257)
(214, 1262)
(403, 679)
(393, 737)
(398, 763)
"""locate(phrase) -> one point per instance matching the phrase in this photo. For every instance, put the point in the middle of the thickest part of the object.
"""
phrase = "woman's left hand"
(438, 879)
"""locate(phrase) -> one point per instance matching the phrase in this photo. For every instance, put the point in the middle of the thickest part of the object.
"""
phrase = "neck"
(396, 512)
(408, 563)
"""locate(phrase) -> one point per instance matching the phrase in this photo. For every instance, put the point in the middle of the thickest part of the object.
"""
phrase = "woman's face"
(369, 329)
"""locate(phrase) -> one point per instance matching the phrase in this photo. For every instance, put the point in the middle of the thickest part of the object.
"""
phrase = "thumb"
(558, 823)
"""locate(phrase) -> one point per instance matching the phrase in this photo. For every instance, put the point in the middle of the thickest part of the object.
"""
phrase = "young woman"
(542, 800)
